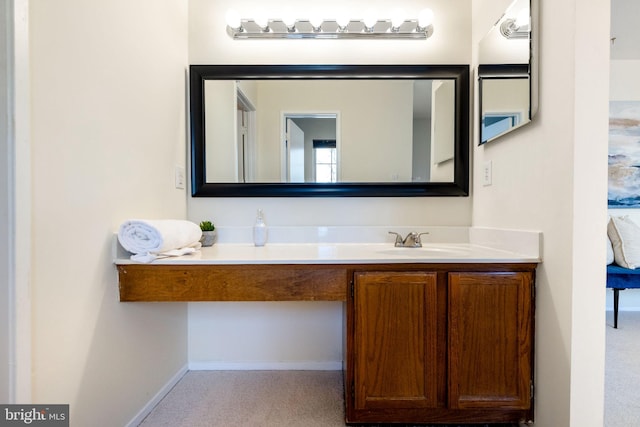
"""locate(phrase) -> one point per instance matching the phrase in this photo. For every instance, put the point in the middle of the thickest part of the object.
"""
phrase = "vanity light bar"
(421, 28)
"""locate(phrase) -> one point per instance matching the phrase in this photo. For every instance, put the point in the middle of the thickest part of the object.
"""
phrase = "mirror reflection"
(504, 99)
(329, 130)
(504, 73)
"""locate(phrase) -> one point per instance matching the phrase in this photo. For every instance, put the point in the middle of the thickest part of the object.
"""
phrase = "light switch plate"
(180, 178)
(486, 173)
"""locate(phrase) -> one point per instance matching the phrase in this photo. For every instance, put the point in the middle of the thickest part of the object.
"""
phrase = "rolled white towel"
(150, 239)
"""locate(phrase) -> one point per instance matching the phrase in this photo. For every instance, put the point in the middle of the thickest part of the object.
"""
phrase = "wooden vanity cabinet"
(396, 338)
(490, 340)
(439, 346)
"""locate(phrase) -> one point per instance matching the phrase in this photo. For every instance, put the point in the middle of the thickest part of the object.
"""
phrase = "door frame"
(16, 180)
(249, 149)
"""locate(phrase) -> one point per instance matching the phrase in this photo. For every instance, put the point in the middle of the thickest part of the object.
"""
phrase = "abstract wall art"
(624, 154)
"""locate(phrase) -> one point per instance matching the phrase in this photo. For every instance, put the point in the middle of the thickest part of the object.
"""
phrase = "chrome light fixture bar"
(516, 26)
(241, 28)
(511, 30)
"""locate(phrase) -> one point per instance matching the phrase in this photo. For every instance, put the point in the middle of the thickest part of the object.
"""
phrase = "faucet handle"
(413, 239)
(399, 240)
(418, 237)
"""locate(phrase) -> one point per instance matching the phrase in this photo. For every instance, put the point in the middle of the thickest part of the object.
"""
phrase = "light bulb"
(425, 18)
(370, 18)
(288, 18)
(397, 17)
(232, 17)
(261, 19)
(316, 21)
(342, 20)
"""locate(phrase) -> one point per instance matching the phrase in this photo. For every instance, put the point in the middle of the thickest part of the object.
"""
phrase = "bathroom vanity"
(440, 343)
(438, 334)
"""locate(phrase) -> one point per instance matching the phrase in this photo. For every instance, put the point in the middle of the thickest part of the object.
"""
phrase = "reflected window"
(325, 160)
(497, 124)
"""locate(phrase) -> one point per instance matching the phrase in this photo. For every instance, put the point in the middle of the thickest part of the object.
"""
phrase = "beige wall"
(551, 176)
(108, 129)
(220, 132)
(624, 84)
(371, 116)
(506, 96)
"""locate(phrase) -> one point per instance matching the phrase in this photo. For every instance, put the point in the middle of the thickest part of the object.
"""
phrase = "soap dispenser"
(260, 230)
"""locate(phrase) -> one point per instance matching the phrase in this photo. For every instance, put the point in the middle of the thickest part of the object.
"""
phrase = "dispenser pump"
(259, 230)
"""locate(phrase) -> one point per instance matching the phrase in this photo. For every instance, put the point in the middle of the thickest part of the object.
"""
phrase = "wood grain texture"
(396, 339)
(261, 282)
(490, 340)
(481, 364)
(232, 283)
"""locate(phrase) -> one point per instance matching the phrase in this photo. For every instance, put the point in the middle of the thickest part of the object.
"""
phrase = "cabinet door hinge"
(351, 288)
(353, 390)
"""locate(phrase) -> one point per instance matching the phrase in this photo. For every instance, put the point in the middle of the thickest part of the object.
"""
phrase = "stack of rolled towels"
(148, 239)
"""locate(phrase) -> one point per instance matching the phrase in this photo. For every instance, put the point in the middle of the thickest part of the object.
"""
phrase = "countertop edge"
(339, 254)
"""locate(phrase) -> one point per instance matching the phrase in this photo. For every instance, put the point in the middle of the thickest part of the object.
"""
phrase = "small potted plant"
(208, 233)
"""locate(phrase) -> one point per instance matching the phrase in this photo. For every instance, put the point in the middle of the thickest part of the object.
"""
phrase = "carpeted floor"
(315, 398)
(255, 399)
(252, 398)
(622, 371)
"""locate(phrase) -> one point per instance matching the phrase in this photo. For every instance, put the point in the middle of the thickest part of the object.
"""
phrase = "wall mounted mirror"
(329, 130)
(507, 74)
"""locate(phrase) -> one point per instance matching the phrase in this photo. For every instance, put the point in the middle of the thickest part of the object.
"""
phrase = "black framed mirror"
(393, 130)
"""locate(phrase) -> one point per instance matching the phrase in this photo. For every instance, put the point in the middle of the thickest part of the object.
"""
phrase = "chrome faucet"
(411, 241)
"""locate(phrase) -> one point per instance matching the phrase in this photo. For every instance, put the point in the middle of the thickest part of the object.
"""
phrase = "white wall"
(551, 176)
(212, 332)
(108, 128)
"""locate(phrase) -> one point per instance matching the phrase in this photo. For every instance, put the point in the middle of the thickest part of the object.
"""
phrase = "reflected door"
(295, 152)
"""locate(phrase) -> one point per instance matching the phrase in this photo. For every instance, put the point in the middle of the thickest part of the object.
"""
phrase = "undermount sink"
(424, 251)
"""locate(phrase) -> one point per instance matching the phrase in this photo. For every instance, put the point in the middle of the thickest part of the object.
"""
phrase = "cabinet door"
(490, 340)
(395, 340)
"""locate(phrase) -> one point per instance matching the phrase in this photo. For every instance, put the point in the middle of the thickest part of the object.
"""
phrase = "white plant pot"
(208, 238)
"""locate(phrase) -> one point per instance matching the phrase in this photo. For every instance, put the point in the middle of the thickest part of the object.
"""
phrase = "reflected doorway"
(310, 147)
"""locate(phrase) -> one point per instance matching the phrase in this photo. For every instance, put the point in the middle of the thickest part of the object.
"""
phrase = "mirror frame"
(200, 188)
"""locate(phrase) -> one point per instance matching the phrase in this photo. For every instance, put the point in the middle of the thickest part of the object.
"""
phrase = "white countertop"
(455, 245)
(342, 253)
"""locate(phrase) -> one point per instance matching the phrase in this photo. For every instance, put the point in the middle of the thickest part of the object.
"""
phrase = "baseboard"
(146, 409)
(266, 366)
